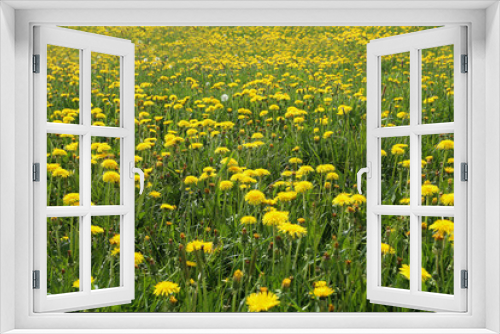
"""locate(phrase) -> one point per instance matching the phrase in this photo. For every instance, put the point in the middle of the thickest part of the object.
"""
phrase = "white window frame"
(483, 102)
(414, 43)
(85, 44)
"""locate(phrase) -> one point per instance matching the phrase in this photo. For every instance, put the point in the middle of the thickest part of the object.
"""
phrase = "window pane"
(437, 254)
(63, 85)
(395, 248)
(105, 96)
(105, 171)
(437, 85)
(105, 252)
(395, 171)
(437, 169)
(63, 172)
(395, 89)
(63, 255)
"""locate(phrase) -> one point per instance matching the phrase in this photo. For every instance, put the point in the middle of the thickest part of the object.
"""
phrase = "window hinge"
(465, 64)
(464, 171)
(36, 63)
(465, 279)
(36, 279)
(36, 172)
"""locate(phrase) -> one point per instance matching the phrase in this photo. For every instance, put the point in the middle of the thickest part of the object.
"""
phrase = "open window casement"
(96, 126)
(413, 66)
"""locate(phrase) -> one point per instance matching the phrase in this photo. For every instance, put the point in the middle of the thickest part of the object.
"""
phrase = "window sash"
(413, 43)
(86, 43)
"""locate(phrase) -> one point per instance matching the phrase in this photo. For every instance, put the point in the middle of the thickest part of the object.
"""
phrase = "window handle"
(368, 171)
(133, 171)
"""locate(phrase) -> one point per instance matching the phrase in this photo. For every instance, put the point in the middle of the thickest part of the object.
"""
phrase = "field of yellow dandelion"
(250, 139)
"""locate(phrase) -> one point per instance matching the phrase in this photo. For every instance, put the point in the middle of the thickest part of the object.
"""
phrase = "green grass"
(290, 85)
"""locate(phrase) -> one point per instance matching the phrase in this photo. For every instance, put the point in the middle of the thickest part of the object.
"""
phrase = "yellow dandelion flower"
(262, 301)
(143, 146)
(323, 291)
(428, 189)
(222, 150)
(255, 197)
(225, 185)
(358, 199)
(292, 229)
(111, 177)
(446, 145)
(72, 199)
(342, 199)
(115, 240)
(325, 168)
(169, 207)
(448, 199)
(155, 194)
(295, 161)
(61, 172)
(386, 249)
(238, 275)
(190, 180)
(405, 271)
(138, 258)
(197, 245)
(59, 152)
(166, 288)
(275, 218)
(398, 149)
(286, 196)
(303, 186)
(248, 220)
(94, 229)
(109, 164)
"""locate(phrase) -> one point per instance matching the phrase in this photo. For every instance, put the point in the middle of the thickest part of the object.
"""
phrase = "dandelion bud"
(399, 260)
(263, 290)
(244, 231)
(63, 271)
(434, 201)
(286, 283)
(348, 262)
(183, 236)
(173, 300)
(331, 308)
(336, 245)
(256, 236)
(238, 275)
(301, 220)
(334, 237)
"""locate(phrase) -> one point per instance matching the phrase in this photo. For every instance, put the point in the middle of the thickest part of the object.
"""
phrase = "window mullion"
(86, 172)
(414, 169)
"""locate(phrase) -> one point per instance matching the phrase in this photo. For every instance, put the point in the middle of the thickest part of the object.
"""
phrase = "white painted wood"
(427, 129)
(86, 298)
(414, 43)
(95, 131)
(442, 322)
